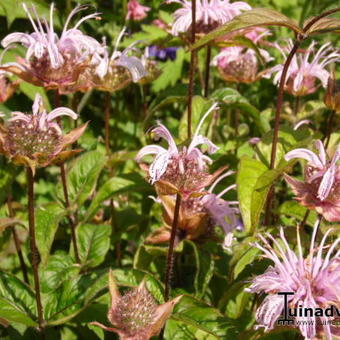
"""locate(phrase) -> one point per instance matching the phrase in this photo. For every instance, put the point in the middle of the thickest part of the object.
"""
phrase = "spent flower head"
(209, 14)
(320, 189)
(36, 140)
(51, 61)
(136, 315)
(7, 87)
(184, 169)
(313, 280)
(306, 68)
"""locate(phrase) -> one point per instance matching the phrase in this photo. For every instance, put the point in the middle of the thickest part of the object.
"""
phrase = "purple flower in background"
(306, 68)
(209, 14)
(314, 280)
(162, 54)
(321, 187)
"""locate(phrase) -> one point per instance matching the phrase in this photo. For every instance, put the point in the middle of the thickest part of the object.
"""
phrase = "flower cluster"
(209, 14)
(306, 68)
(36, 140)
(320, 189)
(136, 315)
(313, 280)
(185, 171)
(240, 64)
(72, 62)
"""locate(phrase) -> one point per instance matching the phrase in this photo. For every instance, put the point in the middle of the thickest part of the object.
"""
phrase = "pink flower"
(209, 14)
(306, 68)
(136, 315)
(313, 280)
(321, 187)
(36, 139)
(184, 168)
(52, 61)
(136, 11)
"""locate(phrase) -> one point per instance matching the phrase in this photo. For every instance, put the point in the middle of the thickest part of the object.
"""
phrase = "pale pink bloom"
(321, 188)
(209, 14)
(53, 60)
(136, 11)
(306, 68)
(183, 159)
(36, 139)
(313, 280)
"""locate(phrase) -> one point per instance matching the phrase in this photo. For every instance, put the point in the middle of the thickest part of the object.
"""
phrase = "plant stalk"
(207, 71)
(192, 67)
(329, 128)
(170, 256)
(16, 240)
(65, 191)
(34, 249)
(107, 122)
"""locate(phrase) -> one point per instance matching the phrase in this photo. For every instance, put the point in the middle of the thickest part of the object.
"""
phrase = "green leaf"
(93, 243)
(233, 98)
(200, 106)
(83, 176)
(294, 209)
(204, 269)
(60, 268)
(31, 90)
(249, 172)
(113, 186)
(193, 319)
(47, 221)
(246, 259)
(252, 18)
(171, 72)
(17, 301)
(7, 175)
(323, 25)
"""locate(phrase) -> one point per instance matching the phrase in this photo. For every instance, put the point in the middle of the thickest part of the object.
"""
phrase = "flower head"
(306, 68)
(136, 315)
(185, 169)
(36, 139)
(52, 61)
(136, 11)
(321, 187)
(199, 215)
(209, 14)
(313, 280)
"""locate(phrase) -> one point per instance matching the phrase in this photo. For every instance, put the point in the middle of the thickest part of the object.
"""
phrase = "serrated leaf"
(248, 173)
(252, 18)
(83, 176)
(47, 221)
(93, 243)
(192, 317)
(17, 301)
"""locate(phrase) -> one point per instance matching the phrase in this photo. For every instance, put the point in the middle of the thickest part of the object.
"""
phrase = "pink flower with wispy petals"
(184, 168)
(209, 14)
(306, 68)
(321, 187)
(313, 280)
(136, 11)
(52, 61)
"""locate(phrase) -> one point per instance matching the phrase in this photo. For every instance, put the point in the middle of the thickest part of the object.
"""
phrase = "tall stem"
(207, 71)
(277, 125)
(71, 219)
(16, 240)
(170, 257)
(192, 66)
(329, 128)
(34, 249)
(107, 121)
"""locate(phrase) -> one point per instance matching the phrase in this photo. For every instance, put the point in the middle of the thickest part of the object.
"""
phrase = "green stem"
(170, 257)
(34, 249)
(207, 71)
